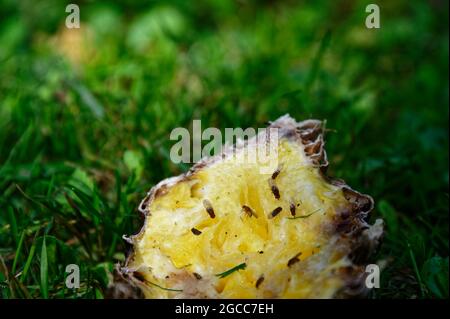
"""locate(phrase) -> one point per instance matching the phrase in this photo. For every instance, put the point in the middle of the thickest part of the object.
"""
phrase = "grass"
(85, 119)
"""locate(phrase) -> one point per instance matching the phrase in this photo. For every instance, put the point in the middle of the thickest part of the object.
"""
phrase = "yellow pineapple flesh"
(228, 229)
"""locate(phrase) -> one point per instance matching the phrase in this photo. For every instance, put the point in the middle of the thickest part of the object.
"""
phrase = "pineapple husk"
(333, 269)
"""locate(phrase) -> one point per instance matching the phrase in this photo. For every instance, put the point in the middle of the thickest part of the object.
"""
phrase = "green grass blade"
(18, 250)
(416, 269)
(317, 60)
(13, 221)
(232, 270)
(44, 270)
(28, 262)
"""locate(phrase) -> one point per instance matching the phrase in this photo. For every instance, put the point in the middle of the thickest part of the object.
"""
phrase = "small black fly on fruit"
(209, 208)
(275, 212)
(249, 211)
(274, 189)
(292, 209)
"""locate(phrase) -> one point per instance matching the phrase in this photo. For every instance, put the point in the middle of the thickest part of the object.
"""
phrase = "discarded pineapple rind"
(351, 225)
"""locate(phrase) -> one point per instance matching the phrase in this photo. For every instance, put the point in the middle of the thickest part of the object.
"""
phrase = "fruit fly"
(292, 209)
(275, 212)
(276, 173)
(274, 189)
(197, 276)
(209, 209)
(259, 282)
(293, 260)
(249, 211)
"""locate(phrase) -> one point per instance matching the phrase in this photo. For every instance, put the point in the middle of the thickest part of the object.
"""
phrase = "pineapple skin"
(320, 256)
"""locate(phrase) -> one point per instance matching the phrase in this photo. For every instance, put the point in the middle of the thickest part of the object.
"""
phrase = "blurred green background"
(85, 118)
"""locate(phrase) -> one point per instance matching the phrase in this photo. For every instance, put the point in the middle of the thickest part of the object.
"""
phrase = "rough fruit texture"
(227, 230)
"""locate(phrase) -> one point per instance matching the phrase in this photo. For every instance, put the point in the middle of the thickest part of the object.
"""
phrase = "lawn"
(86, 115)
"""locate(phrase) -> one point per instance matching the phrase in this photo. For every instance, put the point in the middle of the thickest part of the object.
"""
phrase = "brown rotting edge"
(352, 225)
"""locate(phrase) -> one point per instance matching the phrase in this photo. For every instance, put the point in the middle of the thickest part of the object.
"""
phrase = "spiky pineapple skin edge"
(363, 238)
